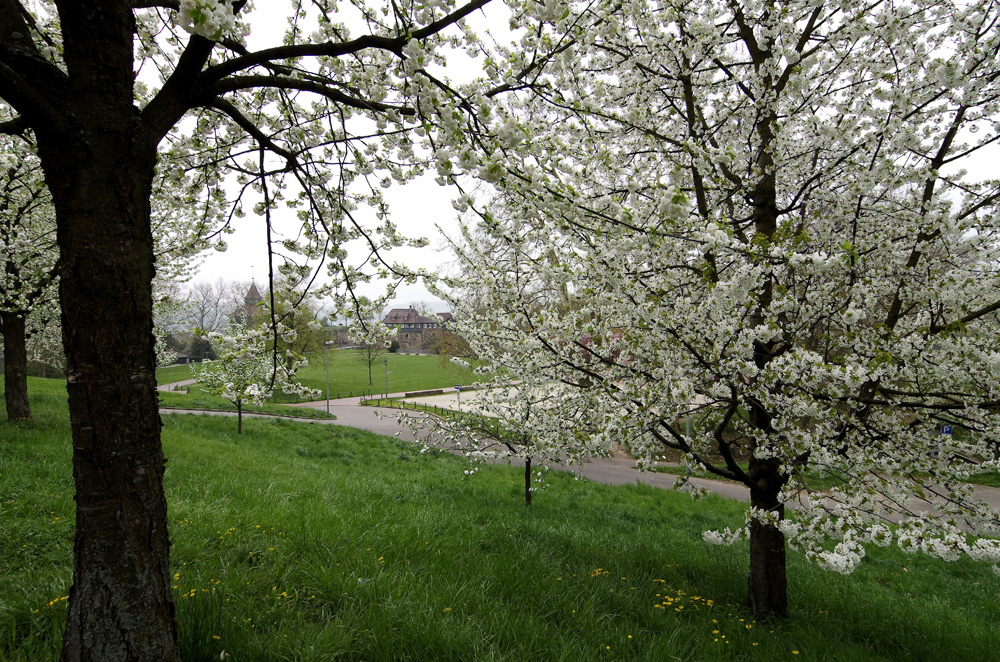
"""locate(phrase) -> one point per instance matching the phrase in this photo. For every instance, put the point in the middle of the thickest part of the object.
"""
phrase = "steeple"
(253, 296)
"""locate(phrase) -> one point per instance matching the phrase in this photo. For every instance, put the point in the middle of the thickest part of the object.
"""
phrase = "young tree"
(201, 347)
(510, 421)
(245, 372)
(319, 120)
(759, 216)
(369, 354)
(451, 345)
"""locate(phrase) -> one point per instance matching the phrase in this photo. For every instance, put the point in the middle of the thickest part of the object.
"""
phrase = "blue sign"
(945, 429)
(458, 387)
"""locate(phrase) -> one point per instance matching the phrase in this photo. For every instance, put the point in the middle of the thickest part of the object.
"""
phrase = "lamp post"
(326, 346)
(387, 379)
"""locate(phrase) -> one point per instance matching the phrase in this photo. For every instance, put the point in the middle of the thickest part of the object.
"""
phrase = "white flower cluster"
(206, 18)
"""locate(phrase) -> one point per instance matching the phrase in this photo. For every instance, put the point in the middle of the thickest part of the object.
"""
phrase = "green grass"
(335, 544)
(196, 399)
(173, 373)
(406, 373)
(990, 479)
(349, 376)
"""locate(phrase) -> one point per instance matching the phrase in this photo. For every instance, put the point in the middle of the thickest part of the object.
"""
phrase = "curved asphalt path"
(611, 471)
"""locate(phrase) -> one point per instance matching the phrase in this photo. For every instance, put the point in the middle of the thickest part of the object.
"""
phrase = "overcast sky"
(416, 208)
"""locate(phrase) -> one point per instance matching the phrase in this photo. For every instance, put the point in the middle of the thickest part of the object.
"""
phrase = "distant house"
(415, 332)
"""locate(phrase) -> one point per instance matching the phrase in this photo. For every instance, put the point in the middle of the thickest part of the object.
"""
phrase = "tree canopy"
(770, 257)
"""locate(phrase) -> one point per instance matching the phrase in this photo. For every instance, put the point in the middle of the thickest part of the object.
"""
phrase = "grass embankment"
(199, 399)
(330, 543)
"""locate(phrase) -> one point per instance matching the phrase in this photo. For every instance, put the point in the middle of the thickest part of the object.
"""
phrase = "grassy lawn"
(173, 373)
(349, 376)
(406, 373)
(330, 543)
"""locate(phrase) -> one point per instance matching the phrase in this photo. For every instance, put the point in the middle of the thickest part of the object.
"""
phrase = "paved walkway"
(611, 471)
(175, 386)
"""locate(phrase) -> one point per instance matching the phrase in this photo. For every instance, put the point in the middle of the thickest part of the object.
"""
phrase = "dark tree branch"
(15, 127)
(330, 49)
(971, 317)
(180, 92)
(283, 83)
(149, 4)
(32, 85)
(252, 129)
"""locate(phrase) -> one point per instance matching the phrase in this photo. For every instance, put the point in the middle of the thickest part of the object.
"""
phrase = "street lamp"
(387, 379)
(326, 346)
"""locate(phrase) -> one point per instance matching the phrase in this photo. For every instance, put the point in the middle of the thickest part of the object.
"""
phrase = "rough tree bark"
(768, 583)
(767, 593)
(121, 569)
(15, 370)
(98, 164)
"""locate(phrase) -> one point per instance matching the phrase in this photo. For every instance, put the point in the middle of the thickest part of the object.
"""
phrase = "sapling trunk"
(527, 482)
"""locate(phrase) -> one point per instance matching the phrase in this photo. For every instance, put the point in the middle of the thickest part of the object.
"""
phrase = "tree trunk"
(768, 584)
(120, 605)
(15, 371)
(527, 482)
(99, 166)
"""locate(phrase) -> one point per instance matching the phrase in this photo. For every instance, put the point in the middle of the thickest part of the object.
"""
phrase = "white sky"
(416, 208)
